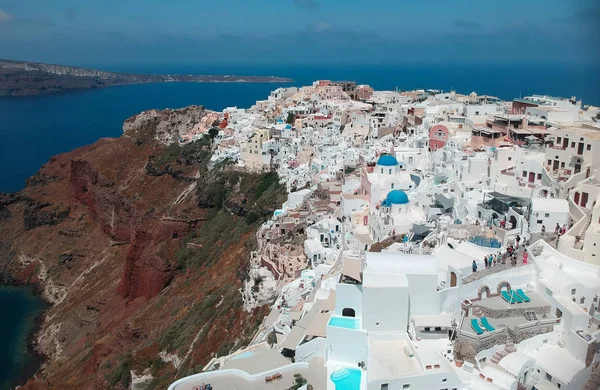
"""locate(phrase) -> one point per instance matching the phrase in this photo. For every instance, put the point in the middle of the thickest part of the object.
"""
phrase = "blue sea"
(33, 129)
(21, 308)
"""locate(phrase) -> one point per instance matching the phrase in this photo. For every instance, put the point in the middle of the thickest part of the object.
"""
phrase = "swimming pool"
(345, 322)
(346, 378)
(243, 355)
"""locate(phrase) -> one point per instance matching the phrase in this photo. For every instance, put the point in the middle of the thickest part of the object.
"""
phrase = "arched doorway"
(347, 312)
(513, 221)
(483, 288)
(452, 279)
(503, 284)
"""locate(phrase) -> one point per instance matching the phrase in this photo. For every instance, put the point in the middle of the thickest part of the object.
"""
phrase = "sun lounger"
(475, 326)
(511, 297)
(523, 295)
(487, 325)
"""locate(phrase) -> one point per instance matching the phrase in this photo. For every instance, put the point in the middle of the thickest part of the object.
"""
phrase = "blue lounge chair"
(511, 297)
(475, 326)
(523, 295)
(487, 325)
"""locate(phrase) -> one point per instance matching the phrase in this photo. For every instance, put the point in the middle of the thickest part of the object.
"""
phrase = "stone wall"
(512, 312)
(466, 348)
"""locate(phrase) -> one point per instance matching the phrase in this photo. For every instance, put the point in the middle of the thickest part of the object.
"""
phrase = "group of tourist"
(558, 230)
(494, 259)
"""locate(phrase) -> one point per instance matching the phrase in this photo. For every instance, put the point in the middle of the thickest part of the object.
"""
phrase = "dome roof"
(387, 161)
(396, 197)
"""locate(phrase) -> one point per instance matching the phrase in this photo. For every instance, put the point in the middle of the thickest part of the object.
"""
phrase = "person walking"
(495, 260)
(474, 266)
(490, 260)
(543, 230)
(525, 256)
(518, 239)
(557, 229)
(485, 262)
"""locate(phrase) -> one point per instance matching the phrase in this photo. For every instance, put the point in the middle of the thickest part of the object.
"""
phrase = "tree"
(272, 338)
(213, 132)
(290, 118)
(299, 381)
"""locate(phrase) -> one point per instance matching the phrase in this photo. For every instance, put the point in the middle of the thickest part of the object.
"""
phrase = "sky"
(96, 32)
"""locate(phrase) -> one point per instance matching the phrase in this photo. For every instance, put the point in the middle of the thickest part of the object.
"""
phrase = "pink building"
(438, 136)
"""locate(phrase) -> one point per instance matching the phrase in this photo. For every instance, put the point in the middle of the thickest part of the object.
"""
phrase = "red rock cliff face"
(100, 237)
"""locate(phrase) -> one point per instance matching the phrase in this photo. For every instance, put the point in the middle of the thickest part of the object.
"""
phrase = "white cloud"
(5, 17)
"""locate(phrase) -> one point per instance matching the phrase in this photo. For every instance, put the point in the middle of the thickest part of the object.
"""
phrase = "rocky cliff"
(141, 249)
(21, 78)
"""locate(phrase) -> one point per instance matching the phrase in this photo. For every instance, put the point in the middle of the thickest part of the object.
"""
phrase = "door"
(555, 165)
(531, 177)
(452, 279)
(565, 143)
(584, 199)
(576, 198)
(577, 168)
(580, 148)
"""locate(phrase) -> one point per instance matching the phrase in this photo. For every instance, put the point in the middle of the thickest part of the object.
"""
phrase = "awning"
(433, 320)
(326, 304)
(293, 338)
(420, 230)
(520, 131)
(351, 268)
(318, 326)
(445, 202)
(295, 315)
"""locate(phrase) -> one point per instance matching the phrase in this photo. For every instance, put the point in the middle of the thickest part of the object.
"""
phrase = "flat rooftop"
(387, 359)
(258, 363)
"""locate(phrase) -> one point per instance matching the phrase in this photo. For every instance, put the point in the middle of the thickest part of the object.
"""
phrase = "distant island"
(23, 78)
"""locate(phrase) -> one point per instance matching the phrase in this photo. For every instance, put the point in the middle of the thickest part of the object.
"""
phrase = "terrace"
(509, 318)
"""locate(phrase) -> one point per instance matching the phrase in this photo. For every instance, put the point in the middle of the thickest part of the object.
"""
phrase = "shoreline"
(35, 359)
(60, 92)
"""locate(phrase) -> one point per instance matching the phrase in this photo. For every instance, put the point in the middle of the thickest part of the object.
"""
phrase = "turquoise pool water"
(243, 355)
(344, 322)
(346, 378)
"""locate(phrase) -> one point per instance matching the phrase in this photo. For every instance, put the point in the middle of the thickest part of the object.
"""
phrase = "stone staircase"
(508, 349)
(594, 382)
(585, 228)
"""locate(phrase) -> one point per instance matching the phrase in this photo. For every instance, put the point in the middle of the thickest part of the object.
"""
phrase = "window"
(573, 144)
(438, 329)
(510, 159)
(574, 291)
(539, 176)
(427, 329)
(558, 385)
(524, 174)
(392, 186)
(384, 386)
(547, 215)
(406, 387)
(582, 301)
(538, 370)
(444, 380)
(539, 221)
(558, 140)
(382, 171)
(347, 312)
(549, 377)
(588, 147)
(549, 162)
(562, 164)
(390, 172)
